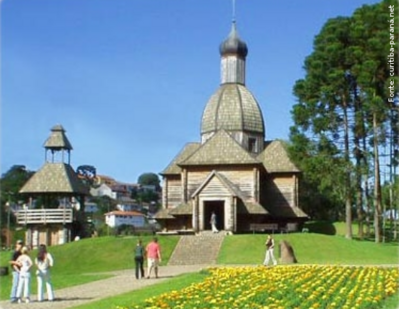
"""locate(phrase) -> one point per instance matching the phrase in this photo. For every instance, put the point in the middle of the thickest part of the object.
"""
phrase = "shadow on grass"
(60, 299)
(321, 227)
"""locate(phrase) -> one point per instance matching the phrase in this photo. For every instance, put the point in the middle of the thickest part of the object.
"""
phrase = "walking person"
(25, 264)
(15, 270)
(139, 260)
(269, 251)
(153, 252)
(44, 261)
(213, 222)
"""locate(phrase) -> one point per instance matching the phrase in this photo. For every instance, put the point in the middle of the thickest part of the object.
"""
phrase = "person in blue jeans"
(25, 263)
(15, 267)
(139, 260)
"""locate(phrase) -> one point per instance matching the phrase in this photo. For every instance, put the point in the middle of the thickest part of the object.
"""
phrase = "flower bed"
(285, 287)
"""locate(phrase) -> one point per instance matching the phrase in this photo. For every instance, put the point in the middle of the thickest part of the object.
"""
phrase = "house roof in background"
(124, 213)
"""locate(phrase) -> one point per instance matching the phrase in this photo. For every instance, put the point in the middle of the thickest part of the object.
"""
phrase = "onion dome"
(233, 45)
(232, 108)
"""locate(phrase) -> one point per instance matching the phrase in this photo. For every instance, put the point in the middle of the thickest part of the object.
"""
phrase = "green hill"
(309, 248)
(87, 259)
(104, 254)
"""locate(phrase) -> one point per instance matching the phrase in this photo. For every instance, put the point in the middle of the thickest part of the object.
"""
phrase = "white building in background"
(91, 207)
(117, 218)
(127, 204)
(103, 190)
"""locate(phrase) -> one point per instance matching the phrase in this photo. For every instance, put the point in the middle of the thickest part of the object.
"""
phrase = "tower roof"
(233, 44)
(233, 108)
(57, 139)
(55, 178)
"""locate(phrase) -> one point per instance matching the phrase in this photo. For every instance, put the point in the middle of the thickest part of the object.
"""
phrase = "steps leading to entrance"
(200, 249)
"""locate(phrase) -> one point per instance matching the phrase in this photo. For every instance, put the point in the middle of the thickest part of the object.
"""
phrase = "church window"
(252, 144)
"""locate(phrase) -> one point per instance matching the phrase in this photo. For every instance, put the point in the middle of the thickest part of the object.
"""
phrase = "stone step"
(200, 249)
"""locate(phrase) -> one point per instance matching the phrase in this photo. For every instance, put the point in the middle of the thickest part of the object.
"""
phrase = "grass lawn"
(392, 302)
(309, 248)
(92, 257)
(104, 254)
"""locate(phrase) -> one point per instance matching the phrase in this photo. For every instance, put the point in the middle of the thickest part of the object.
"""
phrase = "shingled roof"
(182, 209)
(173, 168)
(251, 207)
(221, 148)
(55, 178)
(275, 158)
(57, 139)
(287, 212)
(232, 108)
(163, 213)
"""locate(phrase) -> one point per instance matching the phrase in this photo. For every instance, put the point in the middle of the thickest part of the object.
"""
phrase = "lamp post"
(8, 204)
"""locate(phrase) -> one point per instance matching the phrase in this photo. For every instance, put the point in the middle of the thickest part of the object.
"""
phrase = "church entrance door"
(218, 208)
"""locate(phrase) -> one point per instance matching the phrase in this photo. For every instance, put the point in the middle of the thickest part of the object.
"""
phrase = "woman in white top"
(25, 263)
(44, 262)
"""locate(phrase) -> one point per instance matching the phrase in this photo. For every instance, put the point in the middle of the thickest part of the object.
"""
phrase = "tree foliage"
(343, 117)
(10, 184)
(149, 179)
(104, 203)
(87, 174)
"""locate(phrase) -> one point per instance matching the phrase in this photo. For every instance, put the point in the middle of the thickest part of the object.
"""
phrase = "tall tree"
(324, 95)
(342, 105)
(150, 179)
(369, 51)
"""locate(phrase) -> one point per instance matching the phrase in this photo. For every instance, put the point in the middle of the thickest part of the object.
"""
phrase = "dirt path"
(122, 282)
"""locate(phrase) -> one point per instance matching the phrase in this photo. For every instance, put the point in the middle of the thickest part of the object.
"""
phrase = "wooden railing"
(43, 216)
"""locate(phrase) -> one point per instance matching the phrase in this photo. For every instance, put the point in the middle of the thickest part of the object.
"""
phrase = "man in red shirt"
(153, 257)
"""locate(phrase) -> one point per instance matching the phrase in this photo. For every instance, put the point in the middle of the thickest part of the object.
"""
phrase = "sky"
(129, 79)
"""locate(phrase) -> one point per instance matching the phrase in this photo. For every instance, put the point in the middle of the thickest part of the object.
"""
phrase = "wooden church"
(247, 181)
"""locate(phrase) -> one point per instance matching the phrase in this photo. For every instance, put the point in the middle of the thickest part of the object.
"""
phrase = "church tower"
(51, 218)
(232, 107)
(58, 142)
